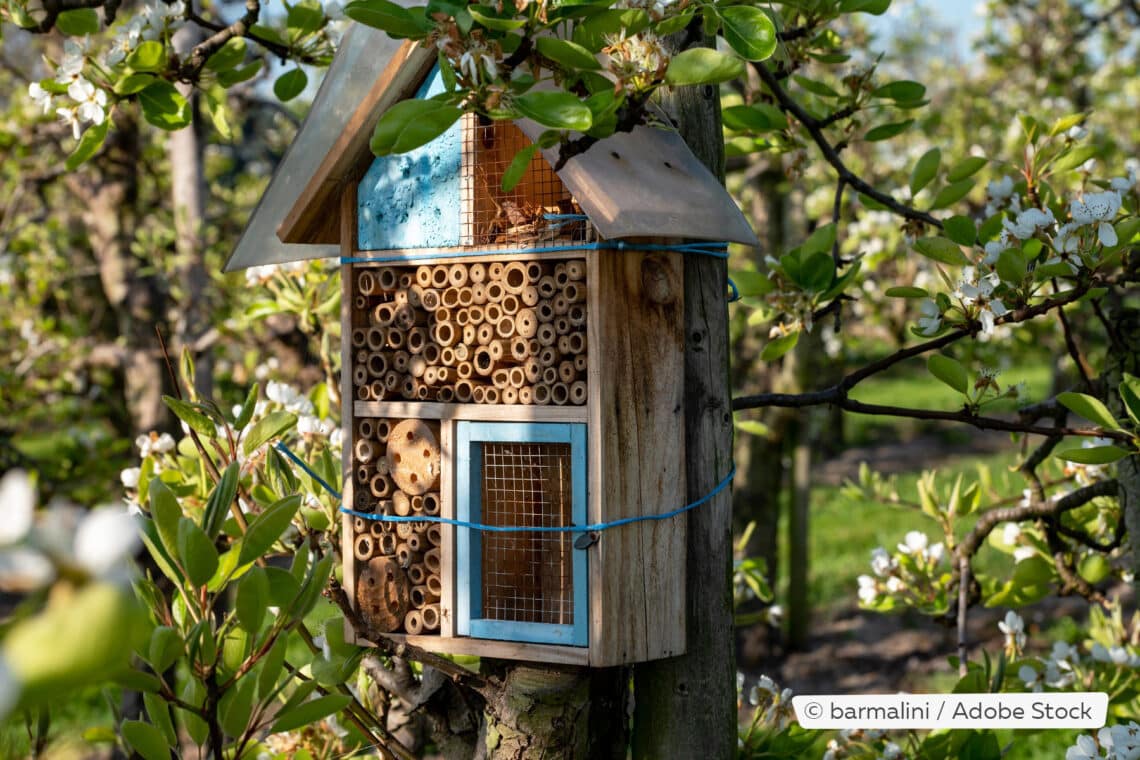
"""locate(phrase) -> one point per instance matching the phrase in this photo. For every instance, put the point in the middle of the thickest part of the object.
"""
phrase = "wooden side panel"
(447, 532)
(347, 202)
(501, 650)
(434, 410)
(636, 366)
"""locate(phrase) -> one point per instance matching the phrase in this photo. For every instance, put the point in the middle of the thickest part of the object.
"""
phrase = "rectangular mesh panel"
(527, 577)
(518, 217)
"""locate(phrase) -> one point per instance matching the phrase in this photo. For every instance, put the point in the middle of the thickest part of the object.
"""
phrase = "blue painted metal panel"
(469, 587)
(412, 200)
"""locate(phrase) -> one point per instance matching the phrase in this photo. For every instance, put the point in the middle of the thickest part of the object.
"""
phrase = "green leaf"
(158, 710)
(949, 371)
(487, 17)
(1130, 393)
(227, 56)
(518, 166)
(311, 589)
(569, 54)
(903, 291)
(89, 144)
(271, 667)
(592, 33)
(218, 505)
(309, 712)
(965, 168)
(164, 649)
(166, 513)
(559, 110)
(779, 346)
(816, 272)
(247, 408)
(821, 240)
(703, 66)
(303, 19)
(148, 56)
(1094, 568)
(1074, 158)
(874, 7)
(283, 587)
(78, 23)
(197, 552)
(239, 75)
(190, 414)
(752, 283)
(815, 87)
(163, 106)
(901, 91)
(941, 250)
(236, 706)
(398, 22)
(410, 124)
(961, 230)
(1093, 455)
(215, 103)
(1065, 123)
(752, 427)
(267, 428)
(1011, 266)
(887, 131)
(267, 527)
(749, 31)
(952, 193)
(925, 169)
(290, 84)
(1090, 408)
(252, 599)
(146, 740)
(132, 83)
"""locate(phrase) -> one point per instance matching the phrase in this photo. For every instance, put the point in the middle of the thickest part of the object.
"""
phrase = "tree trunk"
(685, 707)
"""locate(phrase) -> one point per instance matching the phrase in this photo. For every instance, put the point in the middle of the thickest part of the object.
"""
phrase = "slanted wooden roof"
(646, 183)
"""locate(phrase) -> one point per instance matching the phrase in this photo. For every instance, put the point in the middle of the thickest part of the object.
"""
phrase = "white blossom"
(867, 589)
(91, 99)
(1014, 629)
(1123, 741)
(105, 540)
(71, 65)
(154, 443)
(1098, 209)
(70, 117)
(9, 687)
(931, 320)
(41, 97)
(1124, 184)
(1010, 533)
(17, 506)
(1028, 222)
(914, 542)
(1031, 677)
(1077, 132)
(307, 424)
(130, 477)
(1022, 553)
(936, 553)
(289, 397)
(1084, 749)
(881, 561)
(891, 751)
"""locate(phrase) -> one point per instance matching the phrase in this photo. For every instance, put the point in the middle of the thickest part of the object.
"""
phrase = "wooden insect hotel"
(510, 359)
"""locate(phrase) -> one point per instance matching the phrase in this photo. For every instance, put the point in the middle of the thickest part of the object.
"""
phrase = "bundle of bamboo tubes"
(397, 471)
(510, 332)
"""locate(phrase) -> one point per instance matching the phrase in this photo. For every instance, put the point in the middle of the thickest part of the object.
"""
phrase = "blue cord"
(716, 250)
(735, 292)
(596, 527)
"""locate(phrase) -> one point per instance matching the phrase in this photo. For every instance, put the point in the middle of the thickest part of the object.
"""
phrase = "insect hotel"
(511, 360)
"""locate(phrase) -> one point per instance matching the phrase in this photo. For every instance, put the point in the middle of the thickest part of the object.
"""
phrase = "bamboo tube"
(408, 388)
(529, 295)
(366, 283)
(461, 317)
(362, 548)
(526, 395)
(418, 596)
(365, 450)
(494, 271)
(483, 361)
(418, 504)
(545, 311)
(404, 555)
(423, 392)
(560, 393)
(494, 291)
(457, 275)
(380, 485)
(417, 574)
(547, 356)
(462, 352)
(447, 356)
(403, 530)
(581, 362)
(407, 317)
(500, 349)
(429, 616)
(560, 304)
(378, 529)
(446, 393)
(550, 375)
(475, 314)
(578, 392)
(493, 313)
(417, 339)
(388, 544)
(546, 335)
(360, 375)
(388, 278)
(429, 299)
(576, 269)
(466, 296)
(477, 273)
(431, 353)
(509, 395)
(377, 364)
(562, 326)
(414, 622)
(363, 472)
(383, 314)
(430, 375)
(511, 304)
(442, 314)
(434, 534)
(400, 360)
(560, 275)
(423, 276)
(574, 292)
(413, 456)
(401, 504)
(359, 525)
(463, 387)
(464, 371)
(445, 333)
(547, 287)
(416, 297)
(479, 394)
(501, 378)
(491, 396)
(407, 280)
(366, 428)
(431, 503)
(563, 344)
(376, 390)
(577, 343)
(359, 337)
(533, 272)
(450, 298)
(541, 394)
(364, 392)
(505, 327)
(383, 428)
(439, 276)
(470, 334)
(517, 377)
(478, 294)
(526, 323)
(519, 349)
(396, 338)
(485, 333)
(376, 338)
(400, 298)
(361, 356)
(445, 374)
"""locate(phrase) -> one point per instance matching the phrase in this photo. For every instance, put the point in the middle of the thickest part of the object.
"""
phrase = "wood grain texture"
(506, 650)
(637, 451)
(316, 214)
(462, 255)
(447, 532)
(347, 202)
(432, 410)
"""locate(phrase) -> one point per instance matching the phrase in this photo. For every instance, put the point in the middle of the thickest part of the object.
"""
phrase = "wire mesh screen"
(527, 577)
(539, 209)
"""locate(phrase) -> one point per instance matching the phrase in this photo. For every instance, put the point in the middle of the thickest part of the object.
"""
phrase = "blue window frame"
(521, 586)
